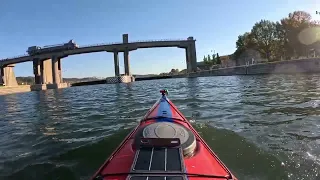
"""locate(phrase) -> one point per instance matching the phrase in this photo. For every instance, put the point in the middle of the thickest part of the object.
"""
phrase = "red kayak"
(164, 146)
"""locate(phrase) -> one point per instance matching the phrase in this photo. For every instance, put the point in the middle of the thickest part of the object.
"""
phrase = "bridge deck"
(100, 48)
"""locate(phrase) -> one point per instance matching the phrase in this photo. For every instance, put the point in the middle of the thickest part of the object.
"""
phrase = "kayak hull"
(202, 162)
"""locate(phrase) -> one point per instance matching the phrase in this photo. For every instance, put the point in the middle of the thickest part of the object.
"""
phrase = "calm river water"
(262, 127)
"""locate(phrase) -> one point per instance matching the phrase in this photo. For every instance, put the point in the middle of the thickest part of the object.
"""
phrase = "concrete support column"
(60, 71)
(126, 62)
(125, 40)
(37, 71)
(46, 71)
(116, 63)
(188, 59)
(192, 55)
(55, 70)
(9, 78)
(193, 60)
(1, 75)
(42, 71)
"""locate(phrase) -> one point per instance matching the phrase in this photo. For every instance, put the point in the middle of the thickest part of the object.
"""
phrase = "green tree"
(214, 59)
(281, 47)
(174, 71)
(205, 60)
(264, 34)
(293, 25)
(245, 48)
(293, 36)
(218, 59)
(209, 58)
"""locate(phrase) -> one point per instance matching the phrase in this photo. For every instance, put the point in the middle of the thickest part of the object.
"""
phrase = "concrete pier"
(60, 71)
(46, 71)
(8, 77)
(48, 74)
(120, 79)
(188, 59)
(38, 87)
(126, 63)
(57, 81)
(36, 71)
(55, 70)
(42, 75)
(116, 63)
(1, 76)
(14, 90)
(193, 53)
(125, 40)
(58, 86)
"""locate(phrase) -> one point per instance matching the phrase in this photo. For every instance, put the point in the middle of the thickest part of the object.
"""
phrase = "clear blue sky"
(215, 25)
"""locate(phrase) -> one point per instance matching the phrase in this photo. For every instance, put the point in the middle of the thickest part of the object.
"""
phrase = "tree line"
(294, 36)
(212, 60)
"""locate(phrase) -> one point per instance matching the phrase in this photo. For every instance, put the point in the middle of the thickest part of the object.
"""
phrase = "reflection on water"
(10, 103)
(262, 127)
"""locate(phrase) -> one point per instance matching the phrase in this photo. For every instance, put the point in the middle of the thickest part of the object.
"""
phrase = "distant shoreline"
(308, 65)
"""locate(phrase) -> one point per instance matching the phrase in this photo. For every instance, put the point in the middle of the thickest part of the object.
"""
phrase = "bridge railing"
(100, 44)
(19, 56)
(157, 40)
(140, 41)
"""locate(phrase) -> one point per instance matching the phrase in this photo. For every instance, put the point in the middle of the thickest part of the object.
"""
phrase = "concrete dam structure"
(47, 67)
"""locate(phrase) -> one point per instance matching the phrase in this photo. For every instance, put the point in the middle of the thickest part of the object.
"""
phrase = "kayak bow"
(164, 146)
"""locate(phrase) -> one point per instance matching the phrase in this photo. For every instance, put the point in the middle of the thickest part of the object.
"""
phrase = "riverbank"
(310, 65)
(12, 90)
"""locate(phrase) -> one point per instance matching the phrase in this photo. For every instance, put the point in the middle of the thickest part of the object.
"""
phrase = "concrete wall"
(282, 67)
(222, 72)
(286, 67)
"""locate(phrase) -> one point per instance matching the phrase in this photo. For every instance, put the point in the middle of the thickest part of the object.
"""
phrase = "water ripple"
(278, 114)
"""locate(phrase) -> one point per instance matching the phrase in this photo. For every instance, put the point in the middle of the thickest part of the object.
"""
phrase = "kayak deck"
(170, 158)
